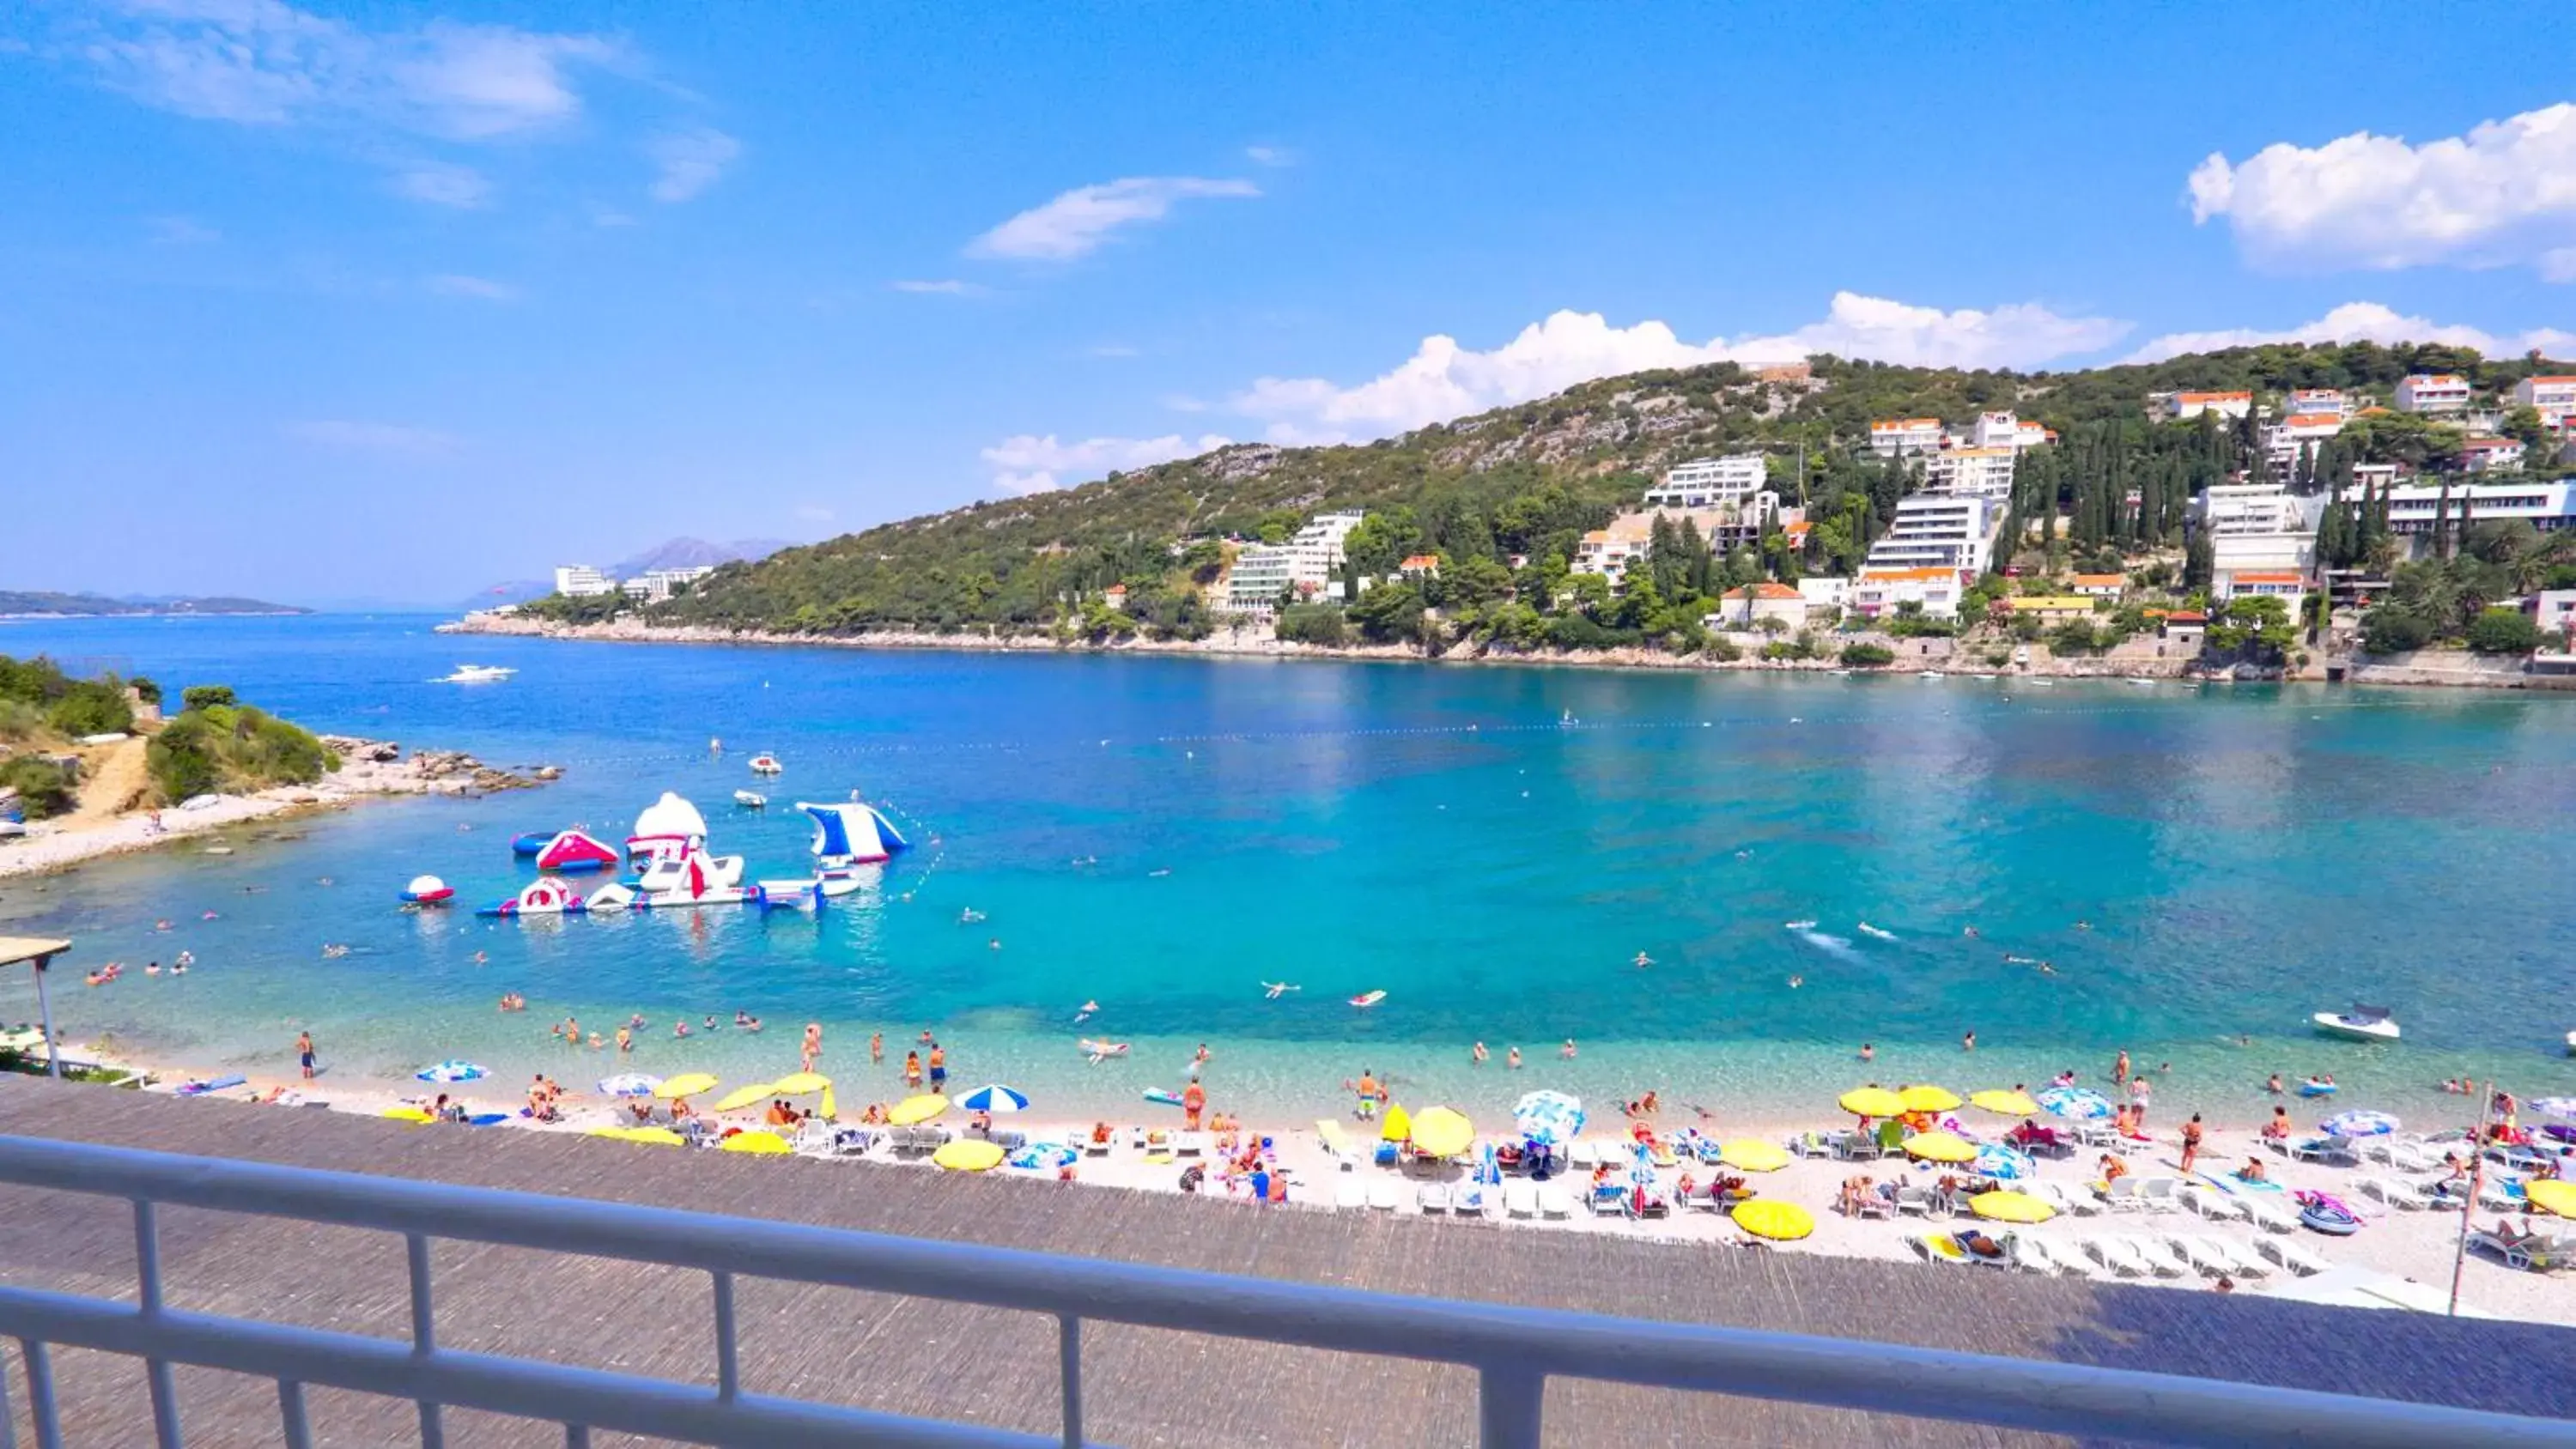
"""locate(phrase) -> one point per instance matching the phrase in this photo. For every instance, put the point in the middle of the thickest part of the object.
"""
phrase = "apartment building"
(1712, 482)
(2433, 393)
(1905, 437)
(1937, 531)
(581, 581)
(2184, 406)
(1970, 472)
(2554, 397)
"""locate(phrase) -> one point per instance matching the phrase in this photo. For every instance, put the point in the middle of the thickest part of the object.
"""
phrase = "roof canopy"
(14, 949)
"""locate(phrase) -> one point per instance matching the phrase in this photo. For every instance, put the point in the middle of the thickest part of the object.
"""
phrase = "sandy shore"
(369, 770)
(2418, 1245)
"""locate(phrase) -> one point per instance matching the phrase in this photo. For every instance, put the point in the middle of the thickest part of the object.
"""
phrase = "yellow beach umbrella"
(831, 1106)
(1752, 1154)
(751, 1095)
(408, 1114)
(912, 1111)
(686, 1084)
(2011, 1207)
(654, 1136)
(766, 1144)
(1929, 1099)
(2551, 1196)
(1397, 1126)
(604, 1132)
(2003, 1103)
(1335, 1140)
(1940, 1147)
(1442, 1132)
(972, 1154)
(1771, 1218)
(797, 1084)
(1872, 1102)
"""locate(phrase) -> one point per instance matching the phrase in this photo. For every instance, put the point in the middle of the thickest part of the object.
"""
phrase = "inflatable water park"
(674, 867)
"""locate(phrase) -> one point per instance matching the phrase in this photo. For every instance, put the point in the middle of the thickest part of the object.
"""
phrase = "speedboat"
(2361, 1023)
(477, 674)
(750, 799)
(766, 763)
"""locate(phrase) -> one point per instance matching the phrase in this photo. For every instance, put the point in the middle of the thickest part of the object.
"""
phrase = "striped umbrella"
(2359, 1124)
(1998, 1161)
(2075, 1104)
(451, 1070)
(632, 1084)
(1549, 1117)
(996, 1099)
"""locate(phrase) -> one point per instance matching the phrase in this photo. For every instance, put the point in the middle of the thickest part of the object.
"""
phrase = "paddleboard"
(1161, 1098)
(1368, 998)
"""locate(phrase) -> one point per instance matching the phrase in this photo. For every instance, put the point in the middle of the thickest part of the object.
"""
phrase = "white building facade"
(2184, 406)
(2548, 507)
(581, 581)
(1937, 531)
(2554, 397)
(1970, 472)
(1903, 437)
(2262, 538)
(2433, 393)
(657, 585)
(1713, 482)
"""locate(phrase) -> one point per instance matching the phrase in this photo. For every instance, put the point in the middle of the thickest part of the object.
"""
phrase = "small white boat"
(766, 763)
(477, 674)
(1929, 674)
(2361, 1023)
(2571, 1043)
(750, 799)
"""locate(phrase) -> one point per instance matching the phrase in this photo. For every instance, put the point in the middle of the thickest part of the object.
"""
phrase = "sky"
(395, 302)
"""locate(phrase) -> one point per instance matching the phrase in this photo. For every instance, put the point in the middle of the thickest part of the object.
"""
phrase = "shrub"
(2073, 637)
(233, 747)
(2503, 631)
(2391, 630)
(205, 696)
(1320, 624)
(92, 707)
(43, 787)
(1724, 650)
(1865, 655)
(145, 690)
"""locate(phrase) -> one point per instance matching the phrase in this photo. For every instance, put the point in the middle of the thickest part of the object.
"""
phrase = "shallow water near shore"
(1490, 847)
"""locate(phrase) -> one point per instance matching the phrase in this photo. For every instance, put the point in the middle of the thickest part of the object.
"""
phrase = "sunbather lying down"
(1980, 1245)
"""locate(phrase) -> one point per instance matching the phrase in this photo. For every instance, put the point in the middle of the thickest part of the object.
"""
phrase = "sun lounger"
(2213, 1204)
(1553, 1202)
(1349, 1192)
(2287, 1253)
(2243, 1260)
(2202, 1253)
(2395, 1194)
(1937, 1248)
(1095, 1148)
(2330, 1150)
(2121, 1194)
(1520, 1200)
(1582, 1153)
(1607, 1200)
(2403, 1154)
(1917, 1200)
(2268, 1215)
(1381, 1196)
(2165, 1262)
(1190, 1144)
(1469, 1200)
(1434, 1197)
(2116, 1254)
(2064, 1199)
(2162, 1194)
(2523, 1255)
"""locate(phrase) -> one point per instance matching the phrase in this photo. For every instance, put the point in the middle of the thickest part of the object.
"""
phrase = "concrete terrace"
(1143, 1386)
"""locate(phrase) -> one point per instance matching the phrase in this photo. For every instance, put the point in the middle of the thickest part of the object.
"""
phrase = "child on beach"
(304, 1052)
(912, 1070)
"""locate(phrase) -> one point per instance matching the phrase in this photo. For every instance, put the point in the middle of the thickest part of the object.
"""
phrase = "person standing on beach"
(938, 1067)
(813, 1048)
(2190, 1143)
(876, 1048)
(2120, 1069)
(304, 1052)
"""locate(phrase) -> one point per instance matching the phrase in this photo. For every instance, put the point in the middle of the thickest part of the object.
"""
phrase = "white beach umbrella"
(451, 1070)
(632, 1084)
(2359, 1124)
(996, 1099)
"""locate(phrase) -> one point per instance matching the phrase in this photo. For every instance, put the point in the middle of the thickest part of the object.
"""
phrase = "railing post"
(424, 1334)
(1069, 1356)
(40, 1394)
(156, 1371)
(290, 1414)
(728, 1359)
(1508, 1400)
(8, 1420)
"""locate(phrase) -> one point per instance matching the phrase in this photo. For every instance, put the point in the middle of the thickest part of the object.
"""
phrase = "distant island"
(45, 604)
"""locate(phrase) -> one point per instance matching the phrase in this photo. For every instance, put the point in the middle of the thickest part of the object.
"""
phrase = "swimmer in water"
(1276, 989)
(1083, 1015)
(1644, 960)
(1797, 981)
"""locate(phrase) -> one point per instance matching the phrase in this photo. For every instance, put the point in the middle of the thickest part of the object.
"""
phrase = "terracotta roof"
(2048, 603)
(1422, 561)
(1119, 589)
(1765, 590)
(2554, 377)
(2447, 379)
(2281, 577)
(2489, 445)
(2312, 420)
(2187, 616)
(2099, 581)
(2213, 396)
(1895, 424)
(1796, 530)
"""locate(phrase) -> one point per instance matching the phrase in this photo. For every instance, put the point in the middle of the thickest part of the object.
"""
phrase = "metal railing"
(1514, 1351)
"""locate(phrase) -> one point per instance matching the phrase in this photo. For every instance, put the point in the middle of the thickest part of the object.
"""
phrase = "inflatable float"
(573, 852)
(2325, 1213)
(1162, 1098)
(540, 898)
(852, 834)
(1368, 998)
(1092, 1048)
(532, 841)
(668, 827)
(2314, 1088)
(428, 890)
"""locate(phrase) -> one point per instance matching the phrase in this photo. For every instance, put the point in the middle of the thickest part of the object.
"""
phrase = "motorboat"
(2361, 1023)
(750, 799)
(477, 674)
(766, 763)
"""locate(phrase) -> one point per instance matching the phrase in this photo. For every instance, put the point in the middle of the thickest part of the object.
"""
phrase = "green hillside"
(1527, 480)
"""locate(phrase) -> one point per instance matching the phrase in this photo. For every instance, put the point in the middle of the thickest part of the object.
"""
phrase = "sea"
(1805, 864)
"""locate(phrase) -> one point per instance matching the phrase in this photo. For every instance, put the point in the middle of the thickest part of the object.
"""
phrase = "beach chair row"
(2121, 1255)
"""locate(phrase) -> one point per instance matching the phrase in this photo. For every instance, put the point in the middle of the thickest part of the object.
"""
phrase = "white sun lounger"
(1349, 1192)
(2066, 1199)
(1469, 1200)
(1553, 1202)
(2033, 1252)
(2121, 1194)
(2162, 1194)
(2214, 1205)
(1381, 1196)
(2290, 1255)
(1583, 1153)
(1434, 1197)
(2162, 1259)
(2202, 1253)
(2268, 1215)
(1520, 1200)
(2117, 1254)
(2395, 1194)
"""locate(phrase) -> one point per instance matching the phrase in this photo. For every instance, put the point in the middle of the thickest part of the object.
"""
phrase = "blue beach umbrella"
(2075, 1104)
(1641, 1167)
(995, 1099)
(1043, 1155)
(451, 1070)
(632, 1084)
(1998, 1161)
(2359, 1124)
(1549, 1118)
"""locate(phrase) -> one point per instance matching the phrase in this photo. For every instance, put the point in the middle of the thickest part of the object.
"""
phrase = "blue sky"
(398, 301)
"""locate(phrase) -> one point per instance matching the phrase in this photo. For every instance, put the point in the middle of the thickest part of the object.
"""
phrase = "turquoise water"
(1162, 835)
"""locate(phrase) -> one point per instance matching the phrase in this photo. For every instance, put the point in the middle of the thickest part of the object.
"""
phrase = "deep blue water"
(2242, 857)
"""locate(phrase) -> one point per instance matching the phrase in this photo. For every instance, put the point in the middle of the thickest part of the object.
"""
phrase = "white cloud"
(1078, 221)
(691, 161)
(182, 231)
(2357, 322)
(1026, 463)
(394, 439)
(2503, 194)
(1443, 380)
(1270, 155)
(266, 63)
(942, 287)
(480, 288)
(442, 183)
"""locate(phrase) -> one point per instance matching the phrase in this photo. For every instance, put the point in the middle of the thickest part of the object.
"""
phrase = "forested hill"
(46, 604)
(1524, 479)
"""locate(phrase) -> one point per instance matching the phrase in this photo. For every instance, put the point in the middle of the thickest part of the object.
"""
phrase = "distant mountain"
(43, 602)
(678, 553)
(694, 553)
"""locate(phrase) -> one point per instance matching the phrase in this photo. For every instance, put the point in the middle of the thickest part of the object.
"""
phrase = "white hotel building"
(1729, 482)
(1970, 472)
(1937, 531)
(2554, 397)
(2434, 393)
(581, 581)
(2263, 539)
(2548, 507)
(1263, 573)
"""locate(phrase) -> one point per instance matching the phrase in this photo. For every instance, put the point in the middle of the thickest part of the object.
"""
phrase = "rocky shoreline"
(2139, 659)
(369, 769)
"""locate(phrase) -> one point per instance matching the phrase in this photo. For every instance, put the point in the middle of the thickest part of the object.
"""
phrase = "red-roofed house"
(2099, 586)
(1897, 437)
(1419, 566)
(1115, 596)
(1747, 607)
(2433, 392)
(2183, 406)
(2554, 397)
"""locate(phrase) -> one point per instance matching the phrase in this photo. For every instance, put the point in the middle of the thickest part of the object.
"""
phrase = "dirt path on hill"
(116, 781)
